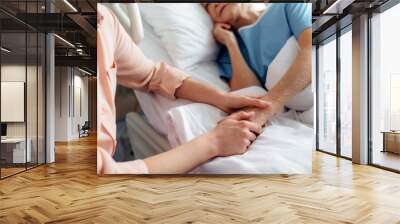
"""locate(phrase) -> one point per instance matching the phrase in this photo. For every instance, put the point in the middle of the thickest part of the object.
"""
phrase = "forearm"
(295, 80)
(242, 75)
(183, 158)
(198, 92)
(298, 75)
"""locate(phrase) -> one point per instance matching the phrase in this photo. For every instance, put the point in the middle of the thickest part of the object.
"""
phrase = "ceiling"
(76, 25)
(75, 21)
(329, 16)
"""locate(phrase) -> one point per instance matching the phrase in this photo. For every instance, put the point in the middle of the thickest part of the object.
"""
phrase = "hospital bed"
(285, 146)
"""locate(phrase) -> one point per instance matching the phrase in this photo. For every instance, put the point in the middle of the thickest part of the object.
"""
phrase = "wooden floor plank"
(69, 191)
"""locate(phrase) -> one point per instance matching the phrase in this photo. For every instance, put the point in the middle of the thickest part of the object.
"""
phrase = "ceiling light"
(79, 51)
(5, 50)
(70, 5)
(65, 41)
(337, 7)
(84, 71)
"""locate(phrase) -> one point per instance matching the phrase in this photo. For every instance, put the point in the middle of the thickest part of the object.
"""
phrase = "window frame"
(27, 29)
(334, 37)
(381, 9)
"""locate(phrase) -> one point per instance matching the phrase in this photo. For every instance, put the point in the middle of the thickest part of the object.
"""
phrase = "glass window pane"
(346, 94)
(327, 96)
(22, 84)
(13, 86)
(385, 84)
(31, 97)
(32, 85)
(41, 99)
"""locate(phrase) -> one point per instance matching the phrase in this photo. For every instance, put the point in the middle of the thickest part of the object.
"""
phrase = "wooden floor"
(70, 192)
(5, 172)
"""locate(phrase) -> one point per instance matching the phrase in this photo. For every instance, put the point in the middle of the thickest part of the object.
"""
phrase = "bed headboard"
(129, 16)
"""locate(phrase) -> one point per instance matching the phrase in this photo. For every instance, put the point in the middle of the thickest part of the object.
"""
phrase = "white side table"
(18, 149)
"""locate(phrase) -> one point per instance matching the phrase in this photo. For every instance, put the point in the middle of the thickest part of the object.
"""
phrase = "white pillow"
(185, 30)
(154, 106)
(277, 69)
(152, 47)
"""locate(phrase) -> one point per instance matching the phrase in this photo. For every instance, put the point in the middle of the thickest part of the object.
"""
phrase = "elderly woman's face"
(223, 12)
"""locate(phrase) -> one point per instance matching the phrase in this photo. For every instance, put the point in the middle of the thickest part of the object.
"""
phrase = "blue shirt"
(260, 42)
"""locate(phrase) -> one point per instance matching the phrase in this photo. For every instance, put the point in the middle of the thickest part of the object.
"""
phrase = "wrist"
(220, 99)
(231, 43)
(274, 99)
(211, 140)
(277, 105)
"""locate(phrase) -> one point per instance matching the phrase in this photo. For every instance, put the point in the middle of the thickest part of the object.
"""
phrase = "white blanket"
(285, 146)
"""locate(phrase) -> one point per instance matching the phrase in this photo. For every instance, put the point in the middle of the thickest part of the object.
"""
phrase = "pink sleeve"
(120, 60)
(107, 165)
(136, 71)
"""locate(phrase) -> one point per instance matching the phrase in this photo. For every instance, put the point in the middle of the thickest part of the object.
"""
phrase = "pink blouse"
(120, 61)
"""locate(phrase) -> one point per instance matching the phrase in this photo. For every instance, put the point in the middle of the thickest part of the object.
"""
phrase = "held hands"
(263, 115)
(223, 34)
(229, 102)
(234, 134)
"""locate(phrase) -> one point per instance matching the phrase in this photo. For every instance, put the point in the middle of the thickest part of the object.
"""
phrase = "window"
(22, 75)
(327, 97)
(394, 101)
(385, 89)
(346, 94)
(334, 138)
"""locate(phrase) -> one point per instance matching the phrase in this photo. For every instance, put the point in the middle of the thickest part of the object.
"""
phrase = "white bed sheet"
(284, 146)
(155, 106)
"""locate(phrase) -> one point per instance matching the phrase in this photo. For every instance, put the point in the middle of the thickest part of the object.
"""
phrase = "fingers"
(251, 126)
(223, 26)
(242, 115)
(247, 138)
(218, 26)
(243, 118)
(250, 136)
(226, 26)
(256, 102)
(247, 143)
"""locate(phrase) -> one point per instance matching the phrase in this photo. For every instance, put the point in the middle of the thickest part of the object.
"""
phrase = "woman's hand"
(263, 115)
(234, 134)
(229, 102)
(223, 34)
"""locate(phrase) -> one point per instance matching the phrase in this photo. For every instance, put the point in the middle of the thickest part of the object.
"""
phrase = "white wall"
(70, 81)
(61, 103)
(16, 73)
(79, 117)
(33, 126)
